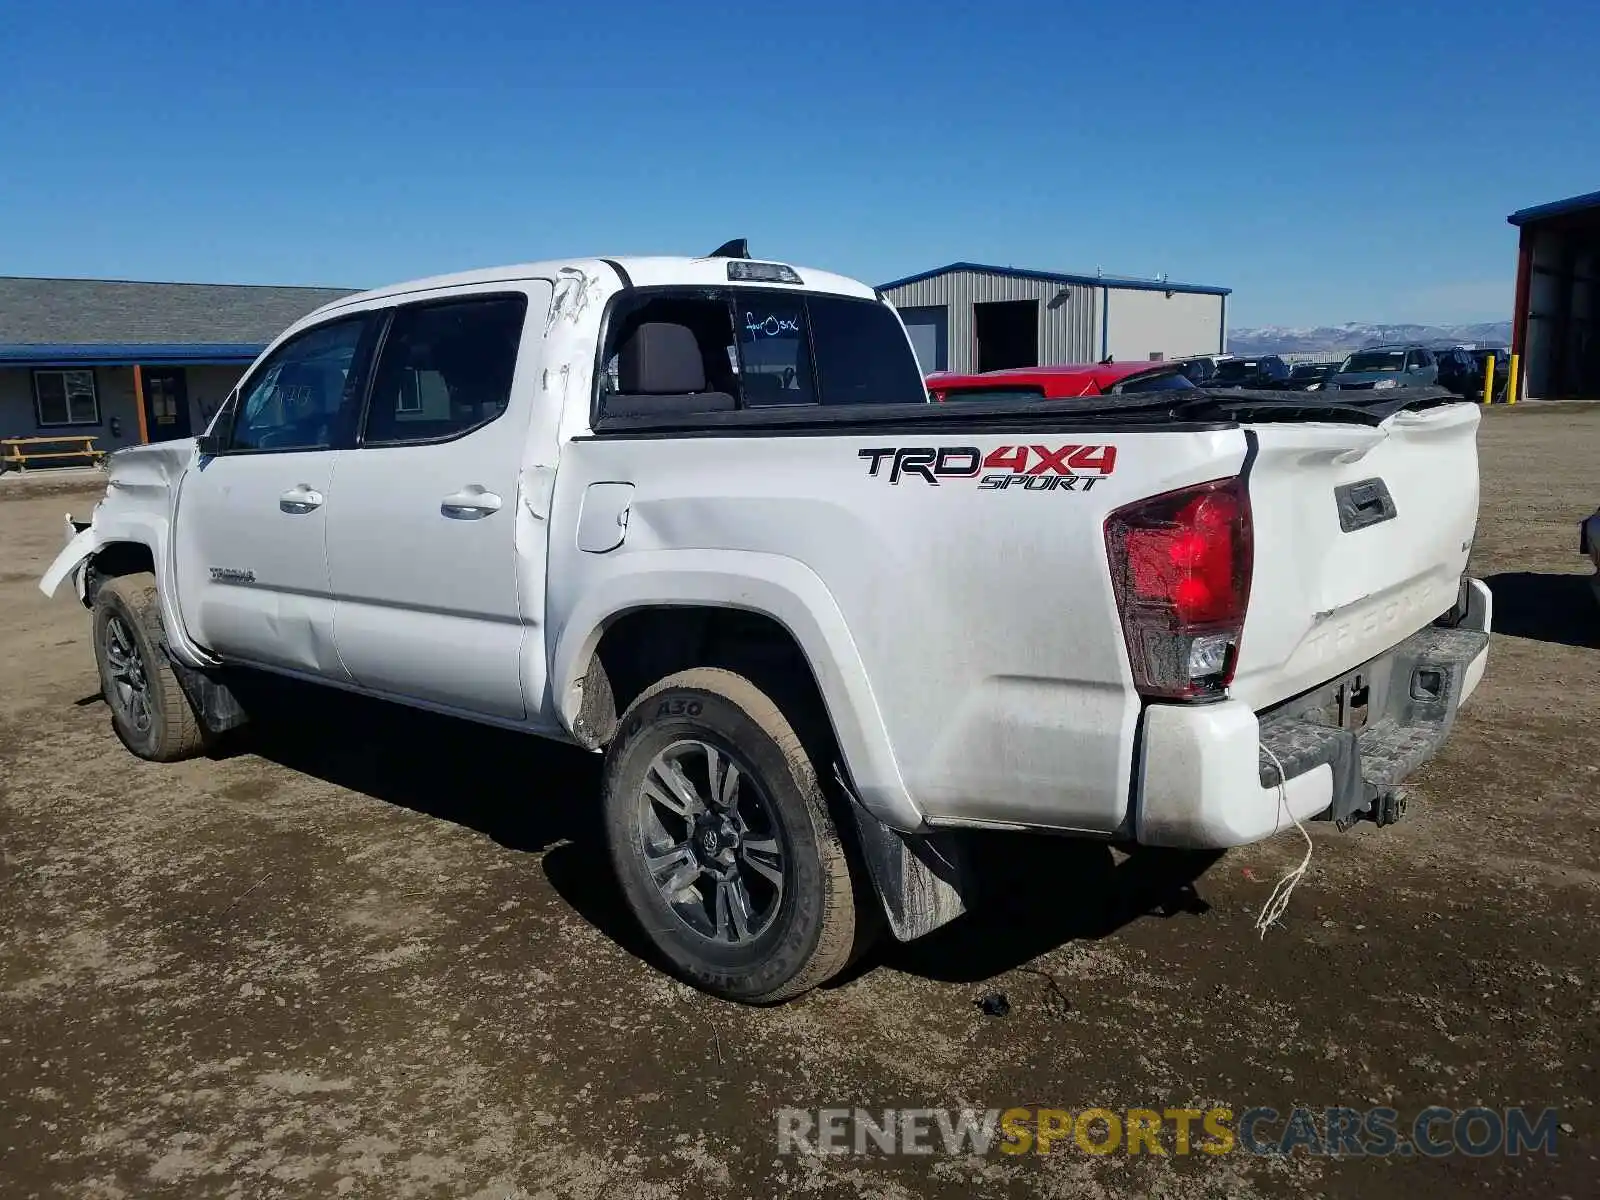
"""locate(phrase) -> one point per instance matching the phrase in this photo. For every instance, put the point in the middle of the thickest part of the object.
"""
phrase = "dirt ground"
(369, 952)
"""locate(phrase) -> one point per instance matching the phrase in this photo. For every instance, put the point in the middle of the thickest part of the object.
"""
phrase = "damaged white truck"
(698, 515)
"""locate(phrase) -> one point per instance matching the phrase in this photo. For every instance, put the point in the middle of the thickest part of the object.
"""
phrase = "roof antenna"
(737, 248)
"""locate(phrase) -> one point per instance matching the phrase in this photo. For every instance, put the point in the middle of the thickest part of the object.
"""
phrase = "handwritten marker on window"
(772, 326)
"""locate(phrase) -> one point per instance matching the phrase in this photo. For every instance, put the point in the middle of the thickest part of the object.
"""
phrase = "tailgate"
(1361, 538)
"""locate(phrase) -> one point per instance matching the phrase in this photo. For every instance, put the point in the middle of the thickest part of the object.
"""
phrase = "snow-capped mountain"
(1342, 339)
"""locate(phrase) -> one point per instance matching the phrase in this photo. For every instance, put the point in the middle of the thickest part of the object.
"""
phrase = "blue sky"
(1345, 163)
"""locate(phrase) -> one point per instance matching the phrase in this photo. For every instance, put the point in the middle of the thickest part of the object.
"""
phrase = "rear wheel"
(722, 840)
(149, 711)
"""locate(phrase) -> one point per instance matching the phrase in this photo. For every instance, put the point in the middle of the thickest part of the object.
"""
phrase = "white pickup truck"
(699, 514)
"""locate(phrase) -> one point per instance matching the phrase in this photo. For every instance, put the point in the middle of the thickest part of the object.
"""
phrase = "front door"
(428, 534)
(251, 553)
(166, 404)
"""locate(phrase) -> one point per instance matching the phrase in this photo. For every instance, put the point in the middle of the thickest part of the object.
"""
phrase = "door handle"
(471, 503)
(300, 499)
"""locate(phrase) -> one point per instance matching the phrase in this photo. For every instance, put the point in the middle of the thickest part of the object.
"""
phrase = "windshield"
(1156, 381)
(1375, 360)
(1238, 368)
(990, 394)
(1308, 371)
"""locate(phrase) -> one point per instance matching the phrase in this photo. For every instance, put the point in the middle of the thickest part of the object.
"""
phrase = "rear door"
(425, 545)
(1361, 538)
(252, 521)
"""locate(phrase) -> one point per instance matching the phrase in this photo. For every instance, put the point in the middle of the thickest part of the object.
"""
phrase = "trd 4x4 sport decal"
(1033, 468)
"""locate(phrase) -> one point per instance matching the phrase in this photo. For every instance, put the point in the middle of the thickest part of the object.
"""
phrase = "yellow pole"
(1488, 379)
(1511, 380)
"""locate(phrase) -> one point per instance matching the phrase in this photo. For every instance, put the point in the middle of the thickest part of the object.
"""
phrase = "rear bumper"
(1208, 781)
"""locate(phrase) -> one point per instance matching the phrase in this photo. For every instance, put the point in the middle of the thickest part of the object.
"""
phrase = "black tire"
(155, 721)
(807, 926)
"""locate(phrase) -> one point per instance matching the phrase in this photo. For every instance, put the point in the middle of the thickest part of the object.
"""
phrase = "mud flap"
(212, 700)
(922, 879)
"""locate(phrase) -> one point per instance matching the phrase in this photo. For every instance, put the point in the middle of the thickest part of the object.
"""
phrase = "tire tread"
(838, 918)
(181, 734)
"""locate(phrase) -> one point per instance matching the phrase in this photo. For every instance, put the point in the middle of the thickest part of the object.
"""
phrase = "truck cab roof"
(636, 271)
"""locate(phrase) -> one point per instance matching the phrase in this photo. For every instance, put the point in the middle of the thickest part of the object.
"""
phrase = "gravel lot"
(369, 952)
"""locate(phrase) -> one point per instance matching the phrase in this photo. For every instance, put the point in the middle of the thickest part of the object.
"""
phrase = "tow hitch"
(1376, 725)
(1388, 808)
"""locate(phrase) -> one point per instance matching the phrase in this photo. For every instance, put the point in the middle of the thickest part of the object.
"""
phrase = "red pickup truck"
(1059, 383)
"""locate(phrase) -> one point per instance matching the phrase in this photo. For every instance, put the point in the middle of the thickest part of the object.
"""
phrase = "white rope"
(1278, 902)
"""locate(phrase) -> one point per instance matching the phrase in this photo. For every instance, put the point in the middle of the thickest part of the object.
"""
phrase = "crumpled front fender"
(81, 544)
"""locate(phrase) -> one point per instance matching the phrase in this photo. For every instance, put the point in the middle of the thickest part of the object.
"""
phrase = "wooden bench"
(21, 452)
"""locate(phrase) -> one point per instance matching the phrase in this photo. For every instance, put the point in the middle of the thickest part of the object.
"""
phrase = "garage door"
(929, 330)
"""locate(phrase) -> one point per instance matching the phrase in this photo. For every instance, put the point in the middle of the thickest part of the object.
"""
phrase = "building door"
(1008, 334)
(166, 404)
(928, 327)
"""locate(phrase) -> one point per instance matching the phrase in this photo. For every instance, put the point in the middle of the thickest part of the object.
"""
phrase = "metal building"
(1555, 325)
(971, 317)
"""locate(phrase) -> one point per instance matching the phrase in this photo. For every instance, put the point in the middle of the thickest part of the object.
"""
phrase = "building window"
(65, 398)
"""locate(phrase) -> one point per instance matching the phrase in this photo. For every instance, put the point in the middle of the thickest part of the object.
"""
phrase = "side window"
(307, 395)
(863, 355)
(774, 351)
(445, 368)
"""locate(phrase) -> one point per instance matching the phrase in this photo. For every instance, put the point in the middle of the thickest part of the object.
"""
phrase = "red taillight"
(1180, 565)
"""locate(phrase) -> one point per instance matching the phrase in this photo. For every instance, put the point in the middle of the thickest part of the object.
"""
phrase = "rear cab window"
(774, 358)
(684, 351)
(863, 355)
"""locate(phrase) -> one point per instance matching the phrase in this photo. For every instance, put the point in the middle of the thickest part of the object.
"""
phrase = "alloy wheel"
(711, 842)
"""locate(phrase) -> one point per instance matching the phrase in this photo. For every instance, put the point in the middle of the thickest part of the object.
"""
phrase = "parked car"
(1059, 382)
(1384, 367)
(1459, 372)
(1199, 370)
(1502, 369)
(1309, 377)
(698, 515)
(1266, 372)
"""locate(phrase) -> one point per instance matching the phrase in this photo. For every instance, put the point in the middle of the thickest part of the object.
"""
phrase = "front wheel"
(722, 840)
(149, 711)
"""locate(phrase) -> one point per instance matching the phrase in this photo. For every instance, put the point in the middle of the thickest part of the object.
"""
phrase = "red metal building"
(1556, 323)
